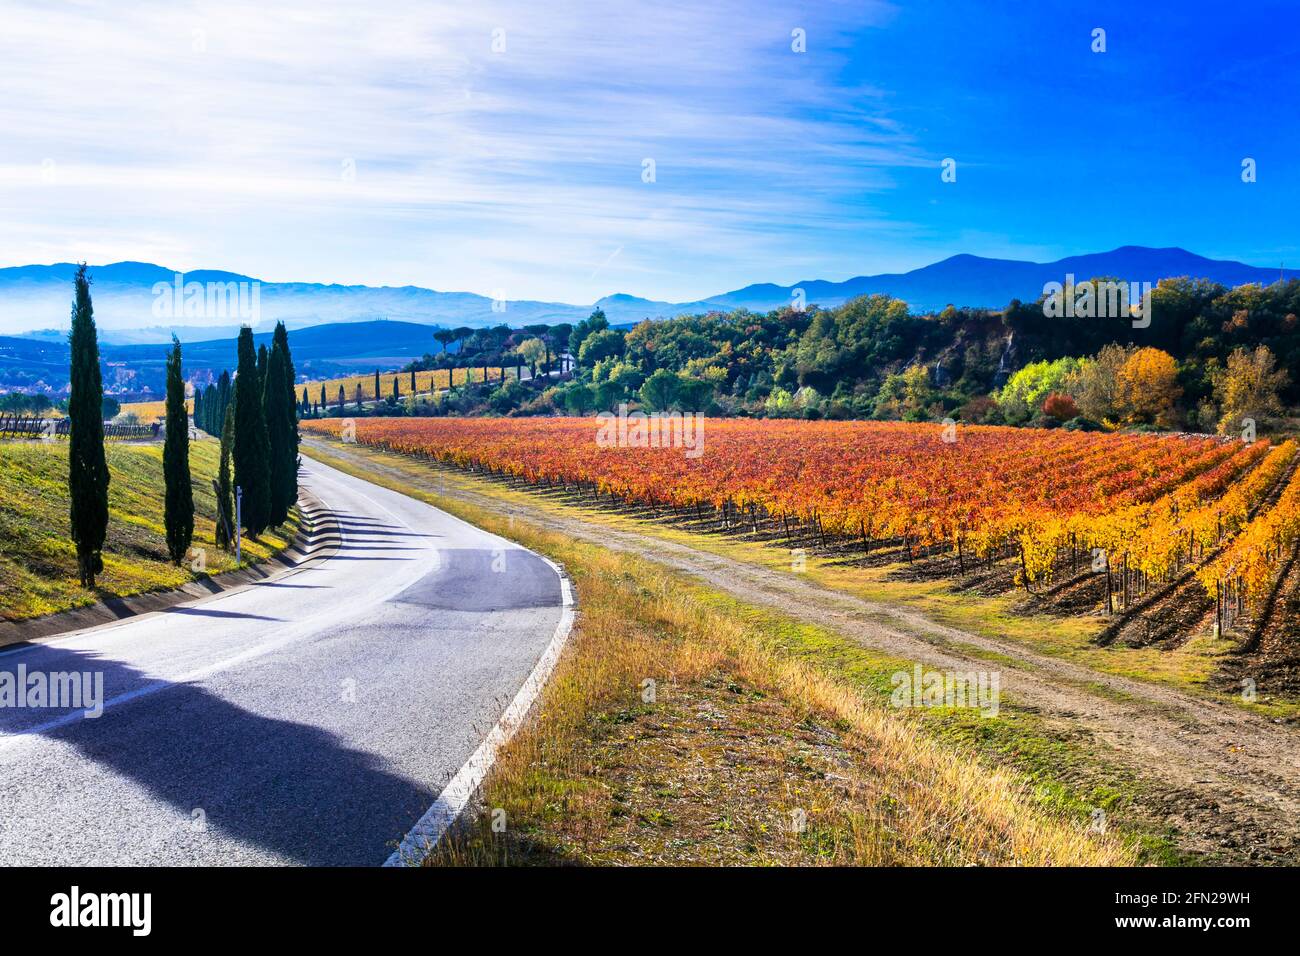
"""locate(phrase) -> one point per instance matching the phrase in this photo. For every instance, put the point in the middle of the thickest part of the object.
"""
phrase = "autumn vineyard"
(1119, 520)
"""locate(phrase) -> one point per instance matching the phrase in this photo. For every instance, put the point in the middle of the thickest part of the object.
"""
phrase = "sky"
(566, 151)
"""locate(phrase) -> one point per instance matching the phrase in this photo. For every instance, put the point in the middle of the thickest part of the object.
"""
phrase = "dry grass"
(743, 755)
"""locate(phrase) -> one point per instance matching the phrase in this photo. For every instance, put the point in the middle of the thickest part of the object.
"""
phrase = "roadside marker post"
(239, 512)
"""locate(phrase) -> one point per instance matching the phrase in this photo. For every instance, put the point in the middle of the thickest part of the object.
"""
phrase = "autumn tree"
(1149, 389)
(1248, 388)
(1094, 385)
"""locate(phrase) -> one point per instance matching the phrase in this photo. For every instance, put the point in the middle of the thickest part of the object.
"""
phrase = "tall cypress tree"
(252, 446)
(87, 470)
(178, 507)
(291, 446)
(198, 407)
(225, 487)
(377, 395)
(223, 401)
(281, 427)
(263, 358)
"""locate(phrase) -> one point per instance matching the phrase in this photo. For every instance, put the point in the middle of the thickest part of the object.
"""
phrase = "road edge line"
(460, 790)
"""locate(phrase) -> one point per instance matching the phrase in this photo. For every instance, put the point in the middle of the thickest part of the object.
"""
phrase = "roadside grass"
(683, 726)
(38, 563)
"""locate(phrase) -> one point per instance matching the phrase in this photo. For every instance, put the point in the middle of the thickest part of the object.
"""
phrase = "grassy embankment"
(761, 740)
(38, 567)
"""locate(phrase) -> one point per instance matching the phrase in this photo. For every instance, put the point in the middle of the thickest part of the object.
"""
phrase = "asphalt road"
(308, 719)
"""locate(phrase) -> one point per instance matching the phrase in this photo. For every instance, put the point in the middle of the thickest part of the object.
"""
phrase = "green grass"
(38, 566)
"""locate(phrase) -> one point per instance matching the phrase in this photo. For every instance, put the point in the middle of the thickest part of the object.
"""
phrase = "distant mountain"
(129, 312)
(992, 283)
(322, 351)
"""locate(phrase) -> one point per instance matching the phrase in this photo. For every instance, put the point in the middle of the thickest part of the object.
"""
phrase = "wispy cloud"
(481, 147)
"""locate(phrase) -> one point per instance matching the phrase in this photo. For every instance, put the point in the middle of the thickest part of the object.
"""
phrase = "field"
(1164, 537)
(425, 383)
(147, 412)
(38, 569)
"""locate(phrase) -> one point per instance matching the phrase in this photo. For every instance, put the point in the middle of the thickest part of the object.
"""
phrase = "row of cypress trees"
(210, 405)
(256, 417)
(263, 430)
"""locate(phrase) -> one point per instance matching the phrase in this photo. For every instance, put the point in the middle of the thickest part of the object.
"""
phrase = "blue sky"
(392, 144)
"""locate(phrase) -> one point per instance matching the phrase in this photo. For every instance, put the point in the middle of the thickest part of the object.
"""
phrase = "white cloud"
(214, 135)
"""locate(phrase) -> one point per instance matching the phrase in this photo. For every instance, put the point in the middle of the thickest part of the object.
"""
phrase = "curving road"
(312, 718)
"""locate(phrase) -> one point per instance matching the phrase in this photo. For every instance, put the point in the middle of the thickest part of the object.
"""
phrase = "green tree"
(252, 447)
(660, 389)
(600, 345)
(88, 476)
(178, 505)
(281, 427)
(225, 488)
(532, 351)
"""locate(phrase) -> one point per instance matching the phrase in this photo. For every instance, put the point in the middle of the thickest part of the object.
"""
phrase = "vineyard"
(1124, 518)
(362, 387)
(21, 426)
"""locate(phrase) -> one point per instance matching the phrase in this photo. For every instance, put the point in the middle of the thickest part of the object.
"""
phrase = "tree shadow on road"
(296, 791)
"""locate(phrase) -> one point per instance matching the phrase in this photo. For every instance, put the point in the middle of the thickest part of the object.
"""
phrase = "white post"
(239, 511)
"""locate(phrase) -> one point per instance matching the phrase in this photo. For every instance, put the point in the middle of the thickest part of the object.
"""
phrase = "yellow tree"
(1248, 388)
(1148, 388)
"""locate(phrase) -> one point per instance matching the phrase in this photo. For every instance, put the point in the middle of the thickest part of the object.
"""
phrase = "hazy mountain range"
(35, 299)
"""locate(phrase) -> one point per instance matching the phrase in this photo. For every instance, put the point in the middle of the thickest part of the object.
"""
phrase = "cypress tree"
(223, 401)
(281, 427)
(263, 358)
(323, 402)
(178, 507)
(413, 388)
(340, 398)
(376, 385)
(198, 407)
(87, 470)
(252, 446)
(225, 488)
(397, 389)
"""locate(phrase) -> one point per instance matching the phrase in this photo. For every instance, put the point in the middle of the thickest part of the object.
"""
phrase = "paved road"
(310, 719)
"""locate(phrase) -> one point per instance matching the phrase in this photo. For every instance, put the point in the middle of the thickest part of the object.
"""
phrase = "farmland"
(1162, 537)
(363, 386)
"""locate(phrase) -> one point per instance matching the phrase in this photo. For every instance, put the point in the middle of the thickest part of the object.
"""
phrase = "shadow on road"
(293, 790)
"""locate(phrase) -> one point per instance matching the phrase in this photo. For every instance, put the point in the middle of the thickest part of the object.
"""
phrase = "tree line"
(1209, 356)
(254, 414)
